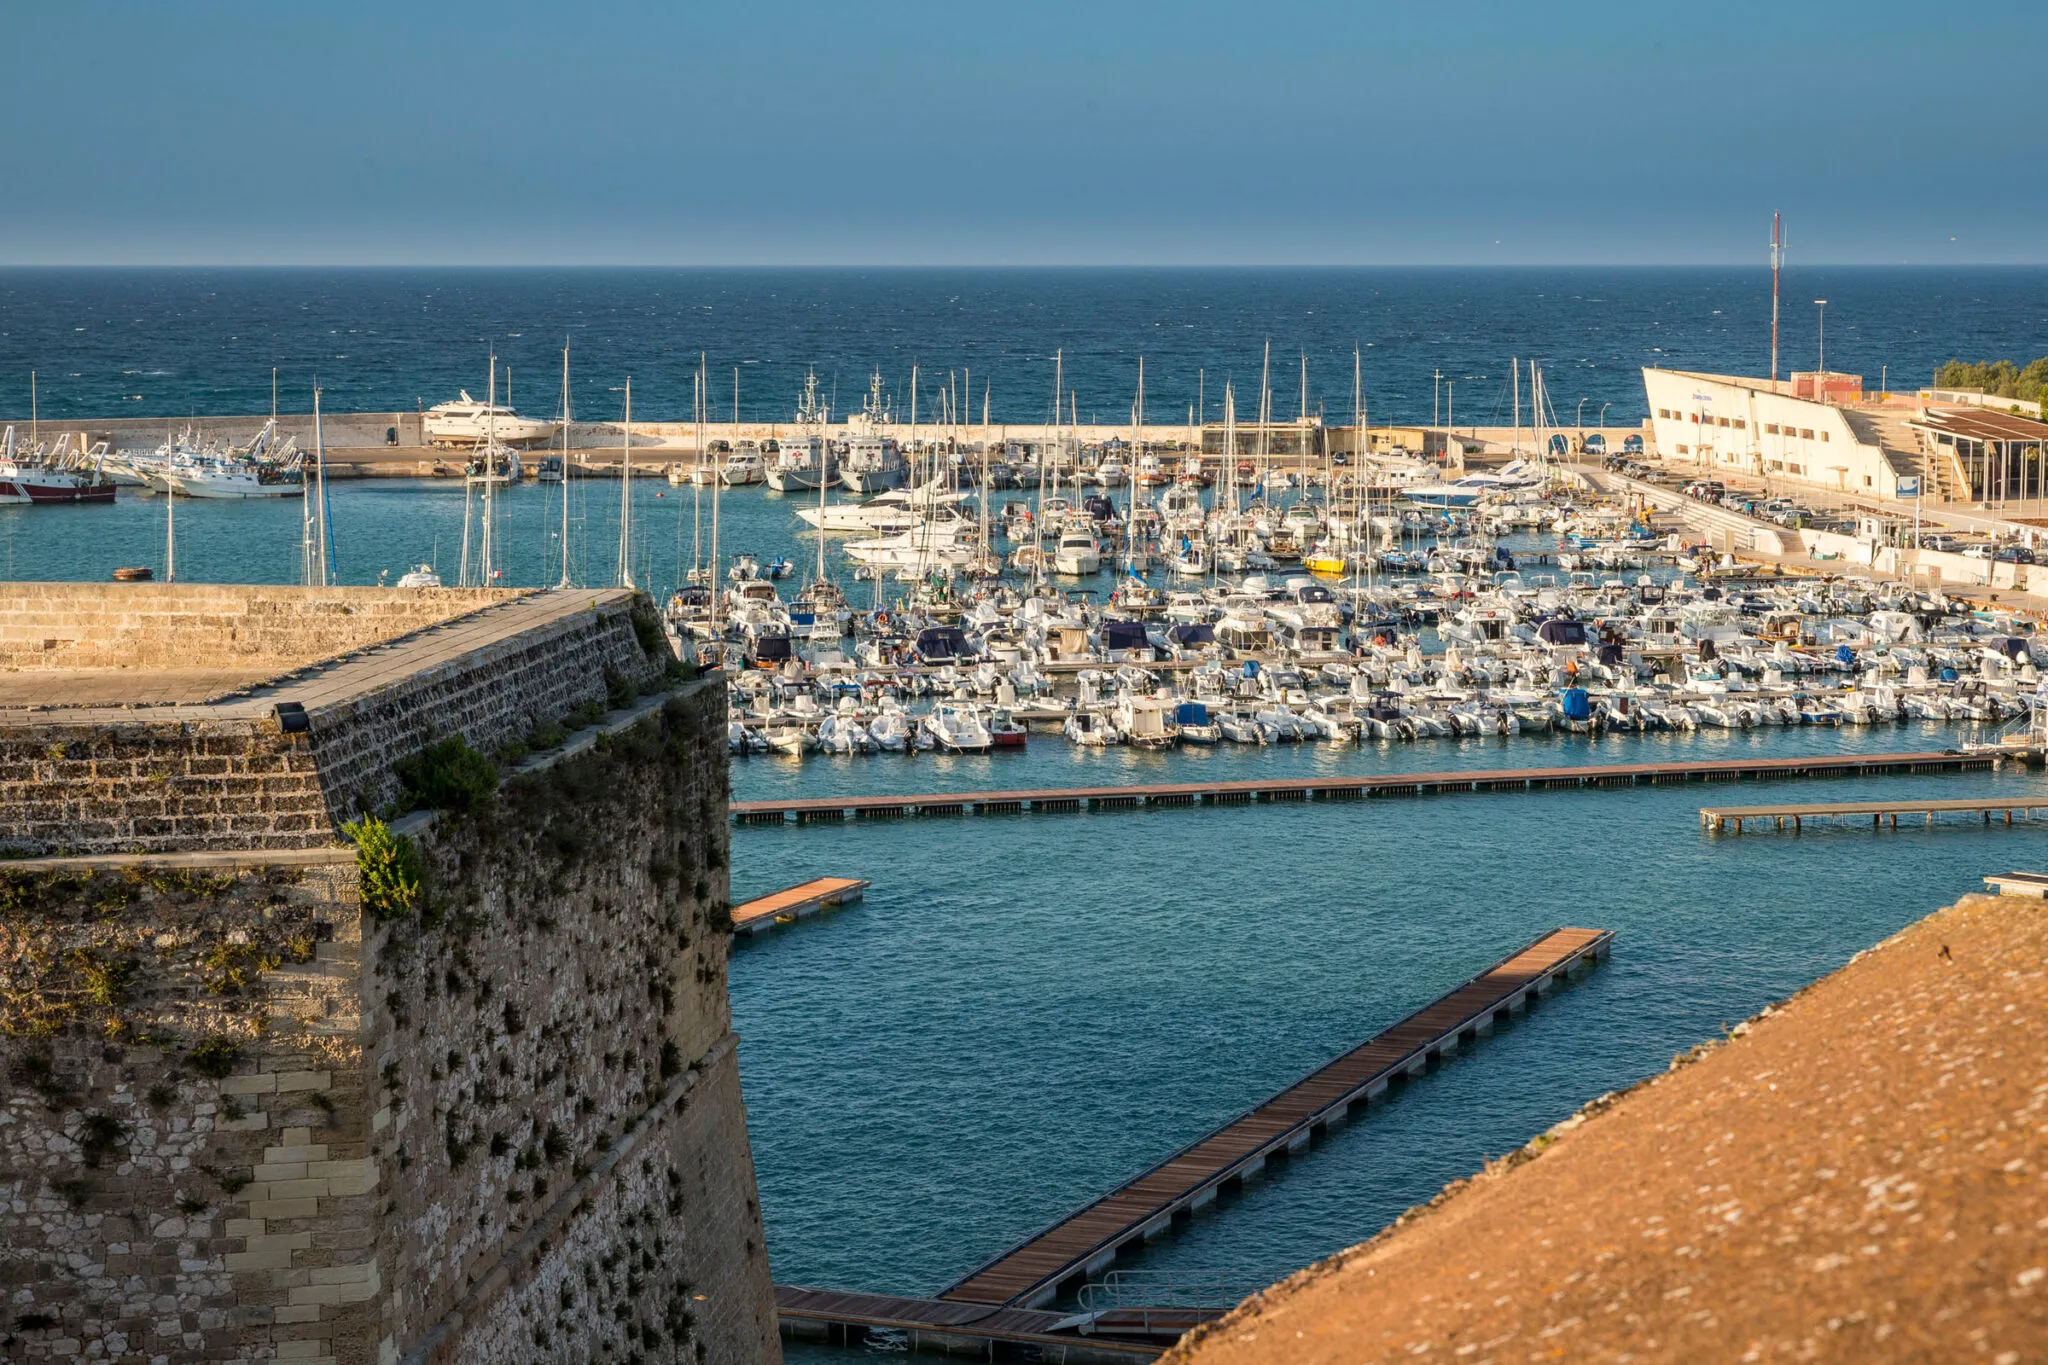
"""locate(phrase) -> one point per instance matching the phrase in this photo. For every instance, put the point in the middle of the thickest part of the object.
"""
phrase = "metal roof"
(1981, 424)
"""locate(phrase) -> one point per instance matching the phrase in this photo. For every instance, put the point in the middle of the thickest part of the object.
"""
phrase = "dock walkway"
(806, 810)
(1088, 1240)
(1720, 819)
(843, 1318)
(794, 902)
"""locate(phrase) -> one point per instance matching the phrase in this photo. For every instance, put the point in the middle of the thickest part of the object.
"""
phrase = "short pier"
(986, 1330)
(806, 810)
(2032, 884)
(1087, 1241)
(1734, 819)
(792, 903)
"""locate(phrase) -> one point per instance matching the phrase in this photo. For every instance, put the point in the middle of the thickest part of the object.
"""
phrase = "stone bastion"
(362, 982)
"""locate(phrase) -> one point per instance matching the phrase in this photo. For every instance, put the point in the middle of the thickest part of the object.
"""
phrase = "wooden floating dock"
(2033, 884)
(1720, 819)
(807, 810)
(1087, 1241)
(794, 902)
(845, 1319)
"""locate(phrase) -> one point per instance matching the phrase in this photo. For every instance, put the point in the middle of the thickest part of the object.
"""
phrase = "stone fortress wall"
(250, 1115)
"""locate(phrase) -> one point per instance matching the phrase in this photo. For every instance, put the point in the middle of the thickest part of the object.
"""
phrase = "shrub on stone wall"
(447, 775)
(389, 866)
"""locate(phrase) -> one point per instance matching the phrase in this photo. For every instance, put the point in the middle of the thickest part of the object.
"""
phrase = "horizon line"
(1009, 265)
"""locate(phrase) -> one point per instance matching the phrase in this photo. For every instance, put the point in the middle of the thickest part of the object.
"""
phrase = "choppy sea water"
(172, 343)
(1027, 1010)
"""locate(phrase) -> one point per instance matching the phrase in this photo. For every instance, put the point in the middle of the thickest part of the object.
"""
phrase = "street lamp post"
(1603, 415)
(1580, 420)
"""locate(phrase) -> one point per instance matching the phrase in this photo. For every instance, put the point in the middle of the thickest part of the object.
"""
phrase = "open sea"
(1027, 1010)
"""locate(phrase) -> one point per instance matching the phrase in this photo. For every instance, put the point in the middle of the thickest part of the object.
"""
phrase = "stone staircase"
(1905, 449)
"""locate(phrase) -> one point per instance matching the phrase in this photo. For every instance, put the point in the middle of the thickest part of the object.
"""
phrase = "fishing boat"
(28, 478)
(233, 479)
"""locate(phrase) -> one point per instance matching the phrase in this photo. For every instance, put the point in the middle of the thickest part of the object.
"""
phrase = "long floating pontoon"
(842, 1318)
(805, 810)
(1087, 1240)
(1717, 819)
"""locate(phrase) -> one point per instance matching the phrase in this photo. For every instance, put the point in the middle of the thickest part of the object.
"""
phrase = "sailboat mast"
(171, 531)
(1515, 368)
(565, 463)
(626, 491)
(1138, 449)
(1265, 415)
(485, 568)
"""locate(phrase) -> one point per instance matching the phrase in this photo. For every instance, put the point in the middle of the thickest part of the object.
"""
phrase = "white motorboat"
(422, 576)
(958, 729)
(1077, 555)
(465, 422)
(742, 467)
(896, 510)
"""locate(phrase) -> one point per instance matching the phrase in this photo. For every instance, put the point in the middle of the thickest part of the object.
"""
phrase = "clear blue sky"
(907, 132)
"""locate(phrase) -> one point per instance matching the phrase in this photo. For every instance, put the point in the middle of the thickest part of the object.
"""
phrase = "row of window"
(1741, 424)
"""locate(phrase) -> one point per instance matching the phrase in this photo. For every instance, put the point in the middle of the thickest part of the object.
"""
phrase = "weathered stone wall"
(156, 786)
(490, 697)
(505, 1125)
(180, 625)
(167, 1033)
(228, 776)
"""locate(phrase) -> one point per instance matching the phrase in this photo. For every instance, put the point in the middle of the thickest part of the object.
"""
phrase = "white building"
(1729, 424)
(1824, 431)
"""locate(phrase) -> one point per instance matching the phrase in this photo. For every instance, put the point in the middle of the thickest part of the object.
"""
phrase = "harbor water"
(1026, 1010)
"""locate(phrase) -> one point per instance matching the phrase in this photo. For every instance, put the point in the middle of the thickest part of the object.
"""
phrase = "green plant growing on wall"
(447, 775)
(214, 1058)
(388, 868)
(104, 981)
(231, 967)
(98, 1136)
(619, 689)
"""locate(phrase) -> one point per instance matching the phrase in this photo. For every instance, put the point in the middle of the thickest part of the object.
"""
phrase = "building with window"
(1825, 431)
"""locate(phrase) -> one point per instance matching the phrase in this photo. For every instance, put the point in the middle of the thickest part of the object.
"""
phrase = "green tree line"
(1999, 378)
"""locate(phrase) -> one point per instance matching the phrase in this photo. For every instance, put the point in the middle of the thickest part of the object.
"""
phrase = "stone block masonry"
(248, 1118)
(226, 773)
(180, 625)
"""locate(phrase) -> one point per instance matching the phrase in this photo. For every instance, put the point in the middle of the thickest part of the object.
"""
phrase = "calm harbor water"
(1027, 1010)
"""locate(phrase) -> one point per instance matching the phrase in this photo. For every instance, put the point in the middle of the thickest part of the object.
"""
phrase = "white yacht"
(896, 510)
(1078, 555)
(466, 422)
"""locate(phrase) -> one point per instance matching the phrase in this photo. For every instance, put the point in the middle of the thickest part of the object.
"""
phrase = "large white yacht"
(467, 422)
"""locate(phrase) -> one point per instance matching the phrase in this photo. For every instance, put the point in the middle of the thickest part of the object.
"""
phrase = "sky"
(908, 132)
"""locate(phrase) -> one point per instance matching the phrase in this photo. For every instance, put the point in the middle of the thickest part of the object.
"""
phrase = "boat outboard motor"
(1577, 704)
(1844, 655)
